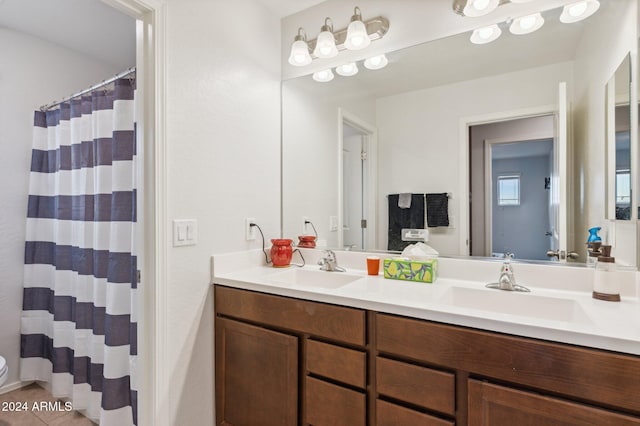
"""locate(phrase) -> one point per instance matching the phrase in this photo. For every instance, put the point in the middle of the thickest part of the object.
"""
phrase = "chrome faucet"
(507, 280)
(329, 262)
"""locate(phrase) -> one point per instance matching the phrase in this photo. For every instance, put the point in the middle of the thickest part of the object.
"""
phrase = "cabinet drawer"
(499, 405)
(388, 414)
(341, 364)
(318, 319)
(604, 378)
(421, 386)
(331, 405)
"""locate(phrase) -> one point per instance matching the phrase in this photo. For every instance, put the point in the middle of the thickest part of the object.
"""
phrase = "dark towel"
(437, 210)
(413, 217)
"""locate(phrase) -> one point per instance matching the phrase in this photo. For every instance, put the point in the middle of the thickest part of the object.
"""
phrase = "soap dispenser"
(593, 246)
(606, 283)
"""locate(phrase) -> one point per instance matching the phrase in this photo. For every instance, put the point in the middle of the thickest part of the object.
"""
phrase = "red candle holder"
(281, 252)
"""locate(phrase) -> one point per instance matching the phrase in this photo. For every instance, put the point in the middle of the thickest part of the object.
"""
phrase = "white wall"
(310, 154)
(34, 72)
(419, 148)
(223, 165)
(597, 57)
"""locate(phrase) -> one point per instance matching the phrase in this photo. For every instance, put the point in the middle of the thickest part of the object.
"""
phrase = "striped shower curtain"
(80, 281)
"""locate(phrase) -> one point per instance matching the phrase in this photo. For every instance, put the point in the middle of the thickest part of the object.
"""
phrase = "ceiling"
(106, 34)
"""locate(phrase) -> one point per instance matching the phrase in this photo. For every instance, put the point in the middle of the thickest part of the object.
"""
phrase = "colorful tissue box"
(424, 271)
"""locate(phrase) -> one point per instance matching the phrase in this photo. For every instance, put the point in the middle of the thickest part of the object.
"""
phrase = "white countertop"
(560, 309)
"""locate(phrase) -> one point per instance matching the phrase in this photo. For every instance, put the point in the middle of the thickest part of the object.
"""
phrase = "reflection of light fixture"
(520, 1)
(526, 24)
(326, 42)
(578, 11)
(357, 36)
(475, 8)
(323, 76)
(347, 70)
(300, 56)
(485, 34)
(376, 62)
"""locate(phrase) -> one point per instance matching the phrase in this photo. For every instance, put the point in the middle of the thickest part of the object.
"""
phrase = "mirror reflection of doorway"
(357, 183)
(354, 157)
(520, 198)
(512, 164)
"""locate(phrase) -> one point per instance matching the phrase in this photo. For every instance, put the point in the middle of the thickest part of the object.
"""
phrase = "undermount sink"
(516, 303)
(311, 278)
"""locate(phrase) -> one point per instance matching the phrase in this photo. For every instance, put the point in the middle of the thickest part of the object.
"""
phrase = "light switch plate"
(333, 223)
(185, 232)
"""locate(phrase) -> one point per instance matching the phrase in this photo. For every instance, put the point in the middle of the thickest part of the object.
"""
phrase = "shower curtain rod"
(90, 89)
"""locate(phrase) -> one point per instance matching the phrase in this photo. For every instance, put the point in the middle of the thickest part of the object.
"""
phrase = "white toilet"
(4, 370)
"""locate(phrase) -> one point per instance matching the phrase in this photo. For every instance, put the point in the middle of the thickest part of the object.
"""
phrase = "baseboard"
(13, 386)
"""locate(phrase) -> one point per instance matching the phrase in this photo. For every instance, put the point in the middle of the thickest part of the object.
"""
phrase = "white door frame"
(488, 180)
(371, 133)
(153, 371)
(464, 125)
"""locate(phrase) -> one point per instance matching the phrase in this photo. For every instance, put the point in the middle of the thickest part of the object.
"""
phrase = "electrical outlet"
(250, 231)
(304, 225)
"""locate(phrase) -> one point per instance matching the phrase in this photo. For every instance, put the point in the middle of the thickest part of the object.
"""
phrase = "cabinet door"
(256, 375)
(495, 405)
(331, 405)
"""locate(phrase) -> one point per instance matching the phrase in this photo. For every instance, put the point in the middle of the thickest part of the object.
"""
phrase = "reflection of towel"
(404, 201)
(437, 210)
(399, 218)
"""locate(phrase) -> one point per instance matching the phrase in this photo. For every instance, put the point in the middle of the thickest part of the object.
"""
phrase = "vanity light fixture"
(474, 8)
(578, 11)
(526, 24)
(347, 70)
(376, 62)
(300, 56)
(326, 42)
(323, 76)
(485, 35)
(357, 36)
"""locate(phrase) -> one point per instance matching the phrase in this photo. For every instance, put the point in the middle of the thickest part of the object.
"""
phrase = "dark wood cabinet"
(257, 375)
(285, 361)
(494, 405)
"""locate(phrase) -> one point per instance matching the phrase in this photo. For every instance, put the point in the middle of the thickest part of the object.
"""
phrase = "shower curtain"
(79, 329)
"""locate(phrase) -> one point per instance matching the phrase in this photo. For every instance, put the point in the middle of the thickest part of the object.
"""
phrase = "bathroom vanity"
(347, 354)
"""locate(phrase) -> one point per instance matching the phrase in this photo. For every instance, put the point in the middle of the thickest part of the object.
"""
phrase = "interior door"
(559, 178)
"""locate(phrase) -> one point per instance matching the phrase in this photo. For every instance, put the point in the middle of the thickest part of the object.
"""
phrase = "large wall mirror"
(618, 137)
(452, 118)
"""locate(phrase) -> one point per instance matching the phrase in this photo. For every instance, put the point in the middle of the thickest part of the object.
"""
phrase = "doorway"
(358, 182)
(511, 166)
(518, 198)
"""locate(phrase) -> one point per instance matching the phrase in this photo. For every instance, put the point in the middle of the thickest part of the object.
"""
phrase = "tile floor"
(10, 416)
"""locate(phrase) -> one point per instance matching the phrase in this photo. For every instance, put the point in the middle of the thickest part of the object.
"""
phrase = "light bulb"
(527, 24)
(326, 42)
(475, 8)
(376, 62)
(578, 11)
(299, 55)
(323, 76)
(357, 36)
(347, 70)
(485, 34)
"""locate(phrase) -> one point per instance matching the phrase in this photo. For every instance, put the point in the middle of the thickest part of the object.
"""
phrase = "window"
(623, 186)
(509, 190)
